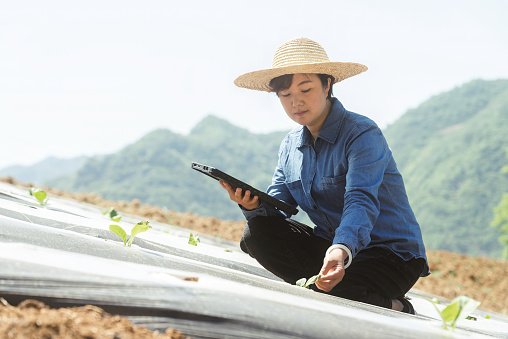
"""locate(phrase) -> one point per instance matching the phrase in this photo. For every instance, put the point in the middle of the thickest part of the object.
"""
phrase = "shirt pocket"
(332, 189)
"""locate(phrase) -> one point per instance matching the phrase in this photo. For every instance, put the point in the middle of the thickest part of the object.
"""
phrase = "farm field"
(454, 274)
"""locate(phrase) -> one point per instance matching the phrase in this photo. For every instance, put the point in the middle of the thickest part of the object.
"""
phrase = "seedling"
(141, 226)
(459, 308)
(120, 232)
(113, 214)
(194, 239)
(306, 283)
(40, 195)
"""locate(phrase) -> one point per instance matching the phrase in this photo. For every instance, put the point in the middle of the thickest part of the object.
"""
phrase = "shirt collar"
(331, 127)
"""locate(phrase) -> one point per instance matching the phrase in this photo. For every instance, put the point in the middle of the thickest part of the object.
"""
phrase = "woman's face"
(305, 101)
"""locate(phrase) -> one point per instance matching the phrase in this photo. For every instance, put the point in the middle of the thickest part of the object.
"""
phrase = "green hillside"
(450, 151)
(156, 169)
(43, 170)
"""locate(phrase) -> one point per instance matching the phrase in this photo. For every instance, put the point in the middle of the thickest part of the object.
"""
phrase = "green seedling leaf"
(227, 250)
(140, 227)
(459, 308)
(451, 312)
(194, 239)
(113, 214)
(466, 306)
(306, 283)
(40, 195)
(487, 316)
(301, 282)
(439, 312)
(312, 280)
(119, 231)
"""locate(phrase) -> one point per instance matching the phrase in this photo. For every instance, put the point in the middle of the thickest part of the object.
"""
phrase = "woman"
(338, 168)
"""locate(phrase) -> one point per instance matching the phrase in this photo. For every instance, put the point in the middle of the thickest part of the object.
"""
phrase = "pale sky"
(90, 77)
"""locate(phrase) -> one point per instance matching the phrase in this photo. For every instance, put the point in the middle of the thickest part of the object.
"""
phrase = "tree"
(500, 220)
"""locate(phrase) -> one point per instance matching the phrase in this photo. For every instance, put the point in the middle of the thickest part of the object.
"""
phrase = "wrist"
(249, 208)
(346, 249)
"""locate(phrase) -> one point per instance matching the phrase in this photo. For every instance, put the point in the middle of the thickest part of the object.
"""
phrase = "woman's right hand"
(333, 271)
(246, 200)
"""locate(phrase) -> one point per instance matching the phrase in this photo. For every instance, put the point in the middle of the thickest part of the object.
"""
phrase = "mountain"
(156, 169)
(44, 170)
(450, 151)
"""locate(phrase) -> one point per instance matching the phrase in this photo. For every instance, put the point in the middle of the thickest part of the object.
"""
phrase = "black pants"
(291, 251)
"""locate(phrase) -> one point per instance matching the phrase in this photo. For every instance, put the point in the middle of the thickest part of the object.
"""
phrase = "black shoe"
(408, 307)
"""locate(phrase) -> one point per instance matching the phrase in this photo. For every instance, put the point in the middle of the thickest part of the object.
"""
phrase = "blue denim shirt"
(349, 185)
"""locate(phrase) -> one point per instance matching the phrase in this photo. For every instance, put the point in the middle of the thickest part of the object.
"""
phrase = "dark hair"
(284, 82)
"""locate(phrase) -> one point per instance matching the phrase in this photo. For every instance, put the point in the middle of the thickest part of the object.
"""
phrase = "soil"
(453, 274)
(32, 319)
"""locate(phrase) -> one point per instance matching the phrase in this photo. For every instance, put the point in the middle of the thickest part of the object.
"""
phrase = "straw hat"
(298, 56)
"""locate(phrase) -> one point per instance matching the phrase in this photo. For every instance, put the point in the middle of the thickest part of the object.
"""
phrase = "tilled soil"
(452, 275)
(480, 278)
(32, 319)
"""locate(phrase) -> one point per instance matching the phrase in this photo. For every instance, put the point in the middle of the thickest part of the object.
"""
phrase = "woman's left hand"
(332, 271)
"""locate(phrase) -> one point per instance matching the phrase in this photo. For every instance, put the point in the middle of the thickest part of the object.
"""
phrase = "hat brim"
(260, 80)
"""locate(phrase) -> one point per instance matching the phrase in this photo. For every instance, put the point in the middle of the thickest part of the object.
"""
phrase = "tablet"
(219, 175)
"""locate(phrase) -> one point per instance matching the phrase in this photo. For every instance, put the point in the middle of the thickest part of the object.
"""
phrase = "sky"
(91, 77)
